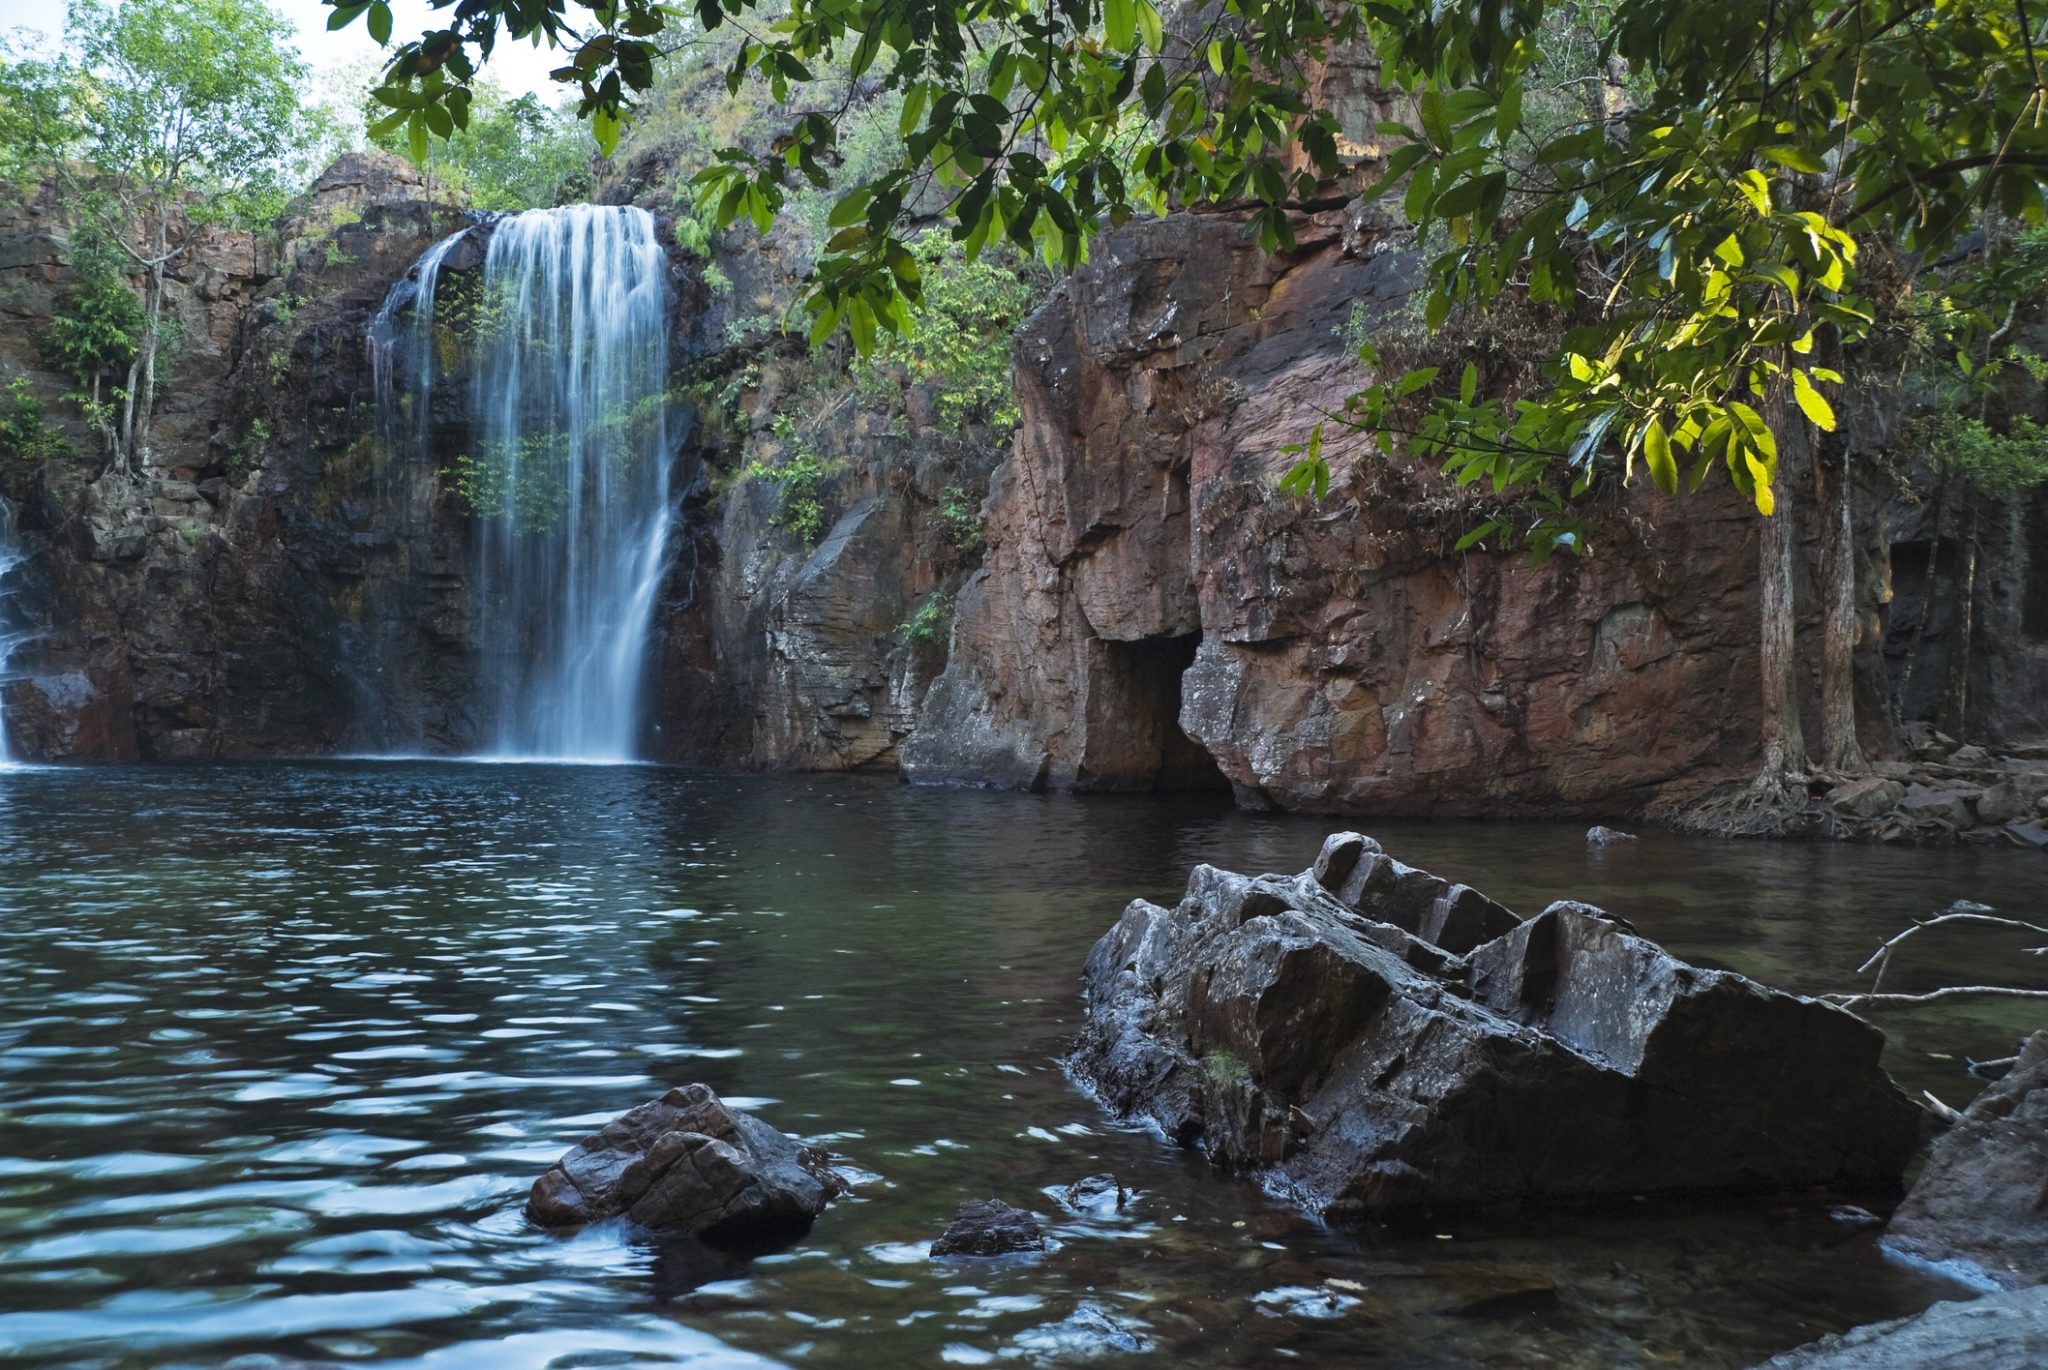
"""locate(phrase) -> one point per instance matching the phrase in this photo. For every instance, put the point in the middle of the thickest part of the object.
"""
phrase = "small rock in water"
(1096, 1194)
(686, 1163)
(1599, 836)
(989, 1227)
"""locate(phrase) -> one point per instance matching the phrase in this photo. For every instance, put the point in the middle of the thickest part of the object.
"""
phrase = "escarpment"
(1099, 589)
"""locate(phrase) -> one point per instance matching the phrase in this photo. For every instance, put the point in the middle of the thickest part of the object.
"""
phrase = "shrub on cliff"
(176, 112)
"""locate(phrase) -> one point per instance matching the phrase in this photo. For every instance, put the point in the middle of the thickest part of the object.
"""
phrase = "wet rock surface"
(1982, 1201)
(989, 1227)
(1367, 1038)
(1999, 1332)
(687, 1164)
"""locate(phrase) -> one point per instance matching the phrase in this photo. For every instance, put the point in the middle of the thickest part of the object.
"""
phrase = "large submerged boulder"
(1367, 1038)
(685, 1163)
(1983, 1198)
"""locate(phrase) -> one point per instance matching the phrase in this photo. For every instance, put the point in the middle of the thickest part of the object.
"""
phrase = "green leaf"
(1757, 431)
(1477, 535)
(1436, 119)
(1120, 24)
(1797, 158)
(1150, 27)
(1508, 117)
(380, 23)
(1756, 190)
(1766, 502)
(604, 126)
(344, 15)
(1657, 455)
(1812, 403)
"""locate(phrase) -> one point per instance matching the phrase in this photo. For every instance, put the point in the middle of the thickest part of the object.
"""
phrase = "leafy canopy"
(164, 96)
(1700, 219)
(1702, 226)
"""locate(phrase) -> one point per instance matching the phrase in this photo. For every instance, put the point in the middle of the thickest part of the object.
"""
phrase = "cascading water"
(12, 634)
(565, 342)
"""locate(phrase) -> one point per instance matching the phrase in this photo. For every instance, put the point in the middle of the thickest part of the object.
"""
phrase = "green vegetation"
(932, 619)
(164, 113)
(1226, 1067)
(93, 335)
(962, 344)
(25, 435)
(798, 478)
(530, 485)
(960, 516)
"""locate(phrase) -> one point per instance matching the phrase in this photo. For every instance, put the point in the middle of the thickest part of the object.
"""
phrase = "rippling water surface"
(282, 1048)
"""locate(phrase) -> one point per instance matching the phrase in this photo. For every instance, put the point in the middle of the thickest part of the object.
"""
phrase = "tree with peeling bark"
(1697, 226)
(171, 113)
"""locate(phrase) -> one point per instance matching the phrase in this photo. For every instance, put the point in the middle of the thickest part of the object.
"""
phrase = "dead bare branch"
(1978, 913)
(1932, 996)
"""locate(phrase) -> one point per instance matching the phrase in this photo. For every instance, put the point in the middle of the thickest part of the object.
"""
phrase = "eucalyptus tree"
(172, 113)
(1699, 217)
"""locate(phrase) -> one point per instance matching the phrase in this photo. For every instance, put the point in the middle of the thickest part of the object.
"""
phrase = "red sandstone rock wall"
(1144, 584)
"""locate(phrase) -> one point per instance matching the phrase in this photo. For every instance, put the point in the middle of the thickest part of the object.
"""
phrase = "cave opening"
(1151, 671)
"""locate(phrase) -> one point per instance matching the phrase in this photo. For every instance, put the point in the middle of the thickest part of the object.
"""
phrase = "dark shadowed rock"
(1983, 1198)
(989, 1227)
(1365, 1037)
(685, 1163)
(1999, 1332)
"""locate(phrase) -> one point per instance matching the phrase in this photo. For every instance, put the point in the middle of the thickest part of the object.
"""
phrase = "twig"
(1941, 1110)
(1932, 996)
(1882, 957)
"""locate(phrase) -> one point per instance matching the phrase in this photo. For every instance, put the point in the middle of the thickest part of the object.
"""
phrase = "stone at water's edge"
(2001, 1332)
(685, 1163)
(1983, 1198)
(989, 1227)
(1367, 1038)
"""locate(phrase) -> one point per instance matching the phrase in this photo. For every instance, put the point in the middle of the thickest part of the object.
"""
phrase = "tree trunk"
(1963, 595)
(152, 311)
(1927, 591)
(1784, 759)
(1839, 748)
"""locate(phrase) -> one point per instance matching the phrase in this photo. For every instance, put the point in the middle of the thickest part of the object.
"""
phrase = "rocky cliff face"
(257, 592)
(1144, 586)
(1131, 608)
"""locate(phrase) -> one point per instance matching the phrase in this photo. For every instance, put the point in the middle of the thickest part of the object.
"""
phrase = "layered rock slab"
(1368, 1038)
(1983, 1198)
(687, 1164)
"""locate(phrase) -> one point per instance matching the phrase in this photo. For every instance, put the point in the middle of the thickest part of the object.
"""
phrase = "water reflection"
(282, 1048)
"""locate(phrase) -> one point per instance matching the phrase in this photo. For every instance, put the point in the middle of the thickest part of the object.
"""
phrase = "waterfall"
(564, 343)
(402, 337)
(12, 634)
